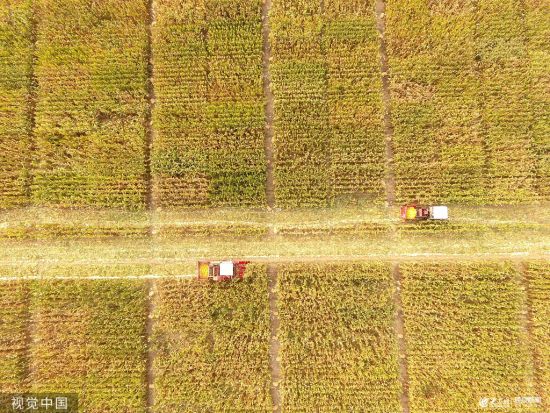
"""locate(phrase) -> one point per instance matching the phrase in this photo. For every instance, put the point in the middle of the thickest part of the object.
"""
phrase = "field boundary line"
(389, 178)
(32, 99)
(269, 104)
(274, 344)
(151, 98)
(528, 326)
(399, 326)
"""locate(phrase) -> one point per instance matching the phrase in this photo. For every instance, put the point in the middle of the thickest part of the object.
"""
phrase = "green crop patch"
(466, 342)
(211, 344)
(15, 88)
(209, 112)
(90, 114)
(89, 340)
(328, 135)
(338, 347)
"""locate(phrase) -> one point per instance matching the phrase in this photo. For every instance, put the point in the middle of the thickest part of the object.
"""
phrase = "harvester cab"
(221, 270)
(413, 212)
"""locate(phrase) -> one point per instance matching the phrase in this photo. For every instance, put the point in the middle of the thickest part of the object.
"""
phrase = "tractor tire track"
(399, 327)
(269, 105)
(274, 344)
(389, 178)
(151, 98)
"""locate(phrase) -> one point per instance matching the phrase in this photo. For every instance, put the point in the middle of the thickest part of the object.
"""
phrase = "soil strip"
(401, 341)
(389, 178)
(269, 106)
(274, 344)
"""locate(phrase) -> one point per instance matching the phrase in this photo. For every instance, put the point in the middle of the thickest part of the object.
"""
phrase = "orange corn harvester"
(221, 270)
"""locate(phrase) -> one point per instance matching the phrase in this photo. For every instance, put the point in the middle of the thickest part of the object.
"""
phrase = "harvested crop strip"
(328, 134)
(90, 340)
(338, 347)
(211, 345)
(90, 133)
(465, 339)
(209, 114)
(13, 336)
(15, 84)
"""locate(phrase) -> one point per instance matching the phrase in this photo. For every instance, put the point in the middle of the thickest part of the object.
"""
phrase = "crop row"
(209, 115)
(14, 309)
(15, 87)
(328, 136)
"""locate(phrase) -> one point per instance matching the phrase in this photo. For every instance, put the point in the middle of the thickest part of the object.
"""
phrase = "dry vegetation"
(89, 134)
(467, 106)
(211, 345)
(209, 111)
(338, 347)
(325, 71)
(89, 339)
(465, 338)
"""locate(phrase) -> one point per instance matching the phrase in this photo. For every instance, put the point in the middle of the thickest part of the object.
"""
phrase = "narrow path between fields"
(401, 340)
(528, 326)
(150, 205)
(388, 126)
(274, 344)
(269, 107)
(32, 90)
(151, 97)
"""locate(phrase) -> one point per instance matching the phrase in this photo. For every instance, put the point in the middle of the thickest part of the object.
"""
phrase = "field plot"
(504, 98)
(211, 345)
(14, 315)
(465, 336)
(89, 339)
(328, 136)
(338, 348)
(460, 105)
(438, 145)
(209, 113)
(91, 74)
(15, 82)
(538, 278)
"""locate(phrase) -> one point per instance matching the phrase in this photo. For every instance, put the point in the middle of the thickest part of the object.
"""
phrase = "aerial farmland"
(275, 206)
